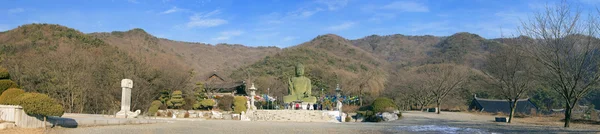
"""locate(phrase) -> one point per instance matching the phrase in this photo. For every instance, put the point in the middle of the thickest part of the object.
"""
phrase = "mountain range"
(83, 70)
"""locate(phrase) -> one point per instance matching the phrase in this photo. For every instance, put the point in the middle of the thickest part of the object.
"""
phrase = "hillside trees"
(81, 72)
(442, 79)
(566, 48)
(511, 72)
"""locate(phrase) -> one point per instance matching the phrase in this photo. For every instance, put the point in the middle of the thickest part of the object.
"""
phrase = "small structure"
(125, 112)
(524, 106)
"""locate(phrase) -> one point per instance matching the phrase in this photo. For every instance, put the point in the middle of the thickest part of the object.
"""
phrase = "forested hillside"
(328, 60)
(84, 71)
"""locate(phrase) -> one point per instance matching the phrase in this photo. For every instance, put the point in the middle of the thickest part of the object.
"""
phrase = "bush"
(4, 73)
(176, 100)
(40, 104)
(154, 107)
(6, 84)
(383, 104)
(348, 118)
(189, 103)
(9, 96)
(169, 114)
(225, 103)
(205, 103)
(163, 107)
(240, 104)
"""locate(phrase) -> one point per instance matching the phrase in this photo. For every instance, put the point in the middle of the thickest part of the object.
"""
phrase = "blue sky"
(279, 23)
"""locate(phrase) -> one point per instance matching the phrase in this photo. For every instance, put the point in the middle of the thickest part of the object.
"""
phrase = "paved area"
(412, 122)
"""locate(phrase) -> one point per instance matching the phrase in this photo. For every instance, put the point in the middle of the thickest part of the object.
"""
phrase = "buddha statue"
(299, 88)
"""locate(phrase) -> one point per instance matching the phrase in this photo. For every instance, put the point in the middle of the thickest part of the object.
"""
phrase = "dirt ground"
(22, 131)
(411, 122)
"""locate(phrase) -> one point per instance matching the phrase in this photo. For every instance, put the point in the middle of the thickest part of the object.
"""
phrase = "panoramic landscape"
(318, 66)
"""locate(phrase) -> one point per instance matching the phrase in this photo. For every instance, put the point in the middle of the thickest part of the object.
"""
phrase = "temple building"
(216, 84)
(524, 106)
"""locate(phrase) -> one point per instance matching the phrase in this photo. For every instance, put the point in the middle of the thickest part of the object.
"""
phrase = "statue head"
(299, 70)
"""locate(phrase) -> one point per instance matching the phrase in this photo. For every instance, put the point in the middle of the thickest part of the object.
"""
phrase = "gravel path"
(412, 122)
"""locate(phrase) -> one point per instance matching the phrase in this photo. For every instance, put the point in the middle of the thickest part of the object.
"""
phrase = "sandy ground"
(411, 122)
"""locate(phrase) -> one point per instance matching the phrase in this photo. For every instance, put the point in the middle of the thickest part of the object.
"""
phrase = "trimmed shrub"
(154, 107)
(6, 84)
(40, 104)
(225, 103)
(383, 104)
(9, 97)
(239, 104)
(176, 100)
(205, 103)
(348, 118)
(4, 73)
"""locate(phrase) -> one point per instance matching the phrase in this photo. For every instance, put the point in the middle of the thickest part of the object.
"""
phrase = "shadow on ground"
(63, 122)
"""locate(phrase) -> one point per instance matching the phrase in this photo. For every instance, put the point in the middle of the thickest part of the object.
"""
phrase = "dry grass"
(22, 131)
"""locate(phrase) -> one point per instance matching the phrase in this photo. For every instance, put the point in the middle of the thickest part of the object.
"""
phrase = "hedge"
(9, 96)
(6, 84)
(154, 107)
(40, 104)
(4, 73)
(383, 104)
(239, 104)
(205, 103)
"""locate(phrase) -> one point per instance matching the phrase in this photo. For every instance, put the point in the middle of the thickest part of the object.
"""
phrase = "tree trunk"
(360, 98)
(512, 111)
(437, 107)
(568, 115)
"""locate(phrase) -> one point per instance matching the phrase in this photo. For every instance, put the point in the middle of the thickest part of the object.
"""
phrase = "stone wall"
(15, 114)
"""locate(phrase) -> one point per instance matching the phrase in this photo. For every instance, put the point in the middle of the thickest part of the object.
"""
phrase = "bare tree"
(511, 72)
(564, 44)
(413, 87)
(442, 79)
(369, 82)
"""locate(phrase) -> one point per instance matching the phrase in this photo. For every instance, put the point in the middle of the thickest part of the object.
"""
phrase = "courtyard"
(411, 122)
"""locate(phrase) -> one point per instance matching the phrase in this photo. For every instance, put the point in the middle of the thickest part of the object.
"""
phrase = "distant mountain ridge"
(42, 57)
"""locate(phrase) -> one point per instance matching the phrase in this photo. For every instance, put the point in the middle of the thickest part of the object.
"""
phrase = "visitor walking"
(315, 106)
(308, 106)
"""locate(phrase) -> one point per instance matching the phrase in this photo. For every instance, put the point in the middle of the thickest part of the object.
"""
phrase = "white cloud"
(205, 20)
(16, 10)
(288, 38)
(343, 26)
(334, 4)
(172, 10)
(406, 6)
(303, 13)
(226, 35)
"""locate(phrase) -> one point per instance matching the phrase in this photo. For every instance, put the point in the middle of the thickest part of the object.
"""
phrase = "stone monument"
(252, 94)
(299, 88)
(125, 112)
